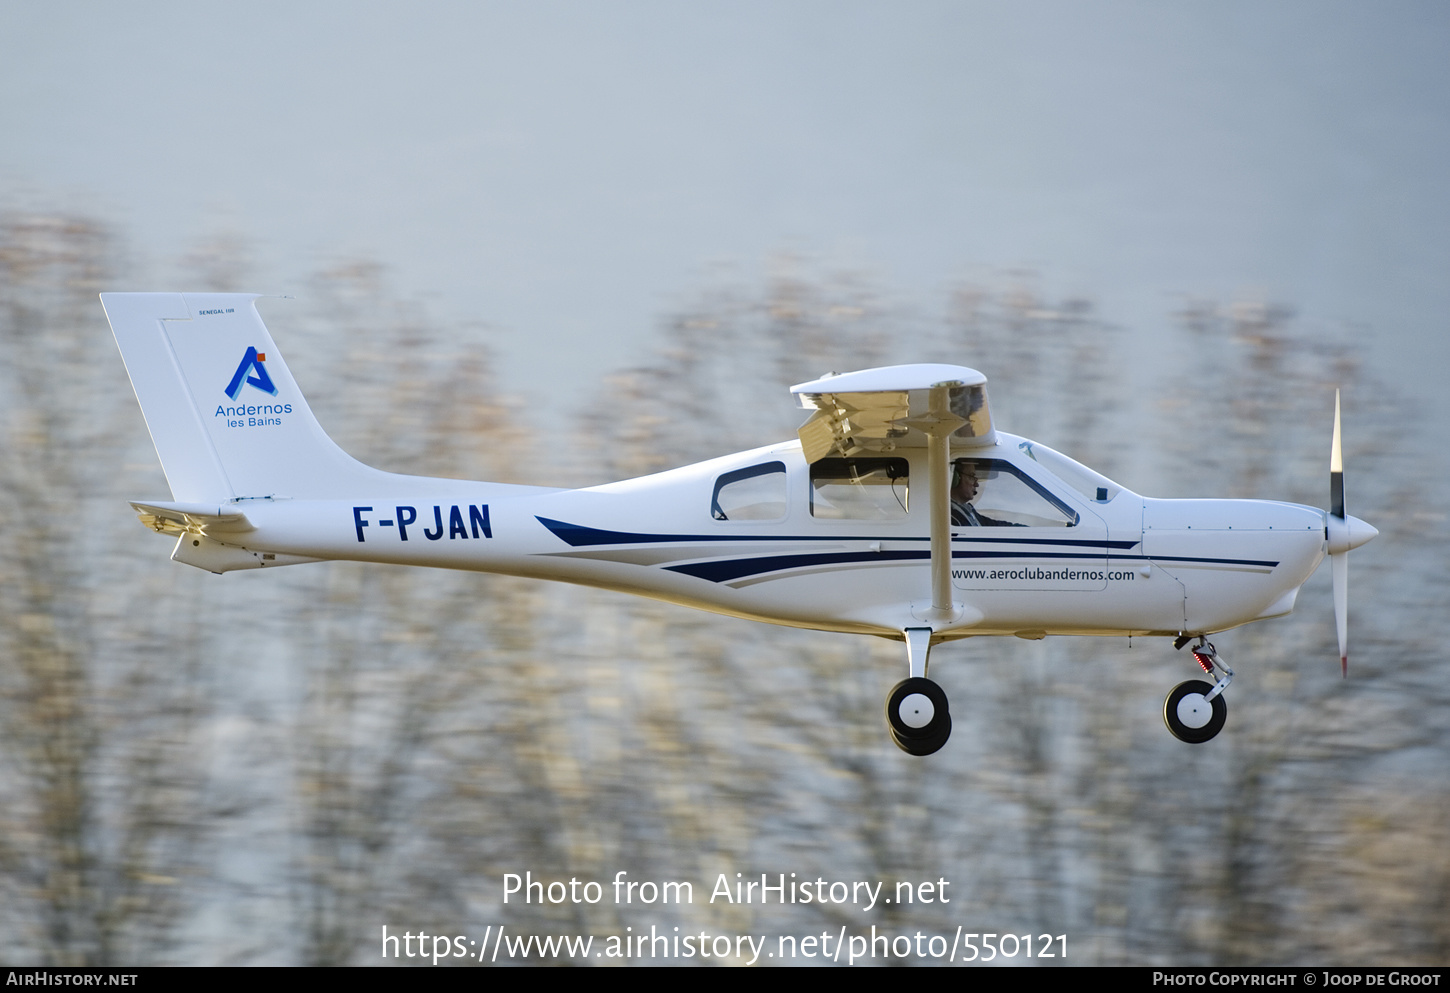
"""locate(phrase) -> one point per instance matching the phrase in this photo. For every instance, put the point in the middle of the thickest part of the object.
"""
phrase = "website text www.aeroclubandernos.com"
(1054, 575)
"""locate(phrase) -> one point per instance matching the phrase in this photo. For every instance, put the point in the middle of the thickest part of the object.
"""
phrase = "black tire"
(1185, 731)
(924, 746)
(918, 739)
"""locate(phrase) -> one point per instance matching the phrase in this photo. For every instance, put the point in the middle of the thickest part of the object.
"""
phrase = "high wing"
(904, 406)
(876, 410)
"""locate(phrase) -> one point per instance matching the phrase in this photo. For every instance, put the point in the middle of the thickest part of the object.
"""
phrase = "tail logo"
(250, 361)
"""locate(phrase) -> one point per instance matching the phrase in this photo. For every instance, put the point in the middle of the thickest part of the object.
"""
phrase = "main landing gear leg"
(916, 710)
(1196, 711)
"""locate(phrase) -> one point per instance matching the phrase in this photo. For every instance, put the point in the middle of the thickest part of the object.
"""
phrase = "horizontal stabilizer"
(192, 518)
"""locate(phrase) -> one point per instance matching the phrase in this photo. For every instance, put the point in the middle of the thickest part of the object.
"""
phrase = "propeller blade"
(1340, 565)
(1336, 468)
(1339, 526)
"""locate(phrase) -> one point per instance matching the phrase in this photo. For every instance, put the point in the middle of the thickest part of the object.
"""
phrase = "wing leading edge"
(879, 410)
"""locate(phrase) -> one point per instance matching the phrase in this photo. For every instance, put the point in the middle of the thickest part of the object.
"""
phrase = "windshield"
(1092, 485)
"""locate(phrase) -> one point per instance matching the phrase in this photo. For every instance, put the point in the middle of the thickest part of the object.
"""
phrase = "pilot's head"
(964, 481)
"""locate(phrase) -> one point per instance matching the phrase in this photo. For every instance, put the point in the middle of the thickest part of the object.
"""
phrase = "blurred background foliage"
(268, 767)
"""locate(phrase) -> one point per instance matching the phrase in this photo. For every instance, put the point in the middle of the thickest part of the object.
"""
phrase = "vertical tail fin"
(225, 414)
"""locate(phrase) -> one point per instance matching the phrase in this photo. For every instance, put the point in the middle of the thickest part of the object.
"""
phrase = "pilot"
(963, 492)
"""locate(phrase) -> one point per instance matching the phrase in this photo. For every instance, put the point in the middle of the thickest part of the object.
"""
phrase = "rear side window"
(859, 489)
(756, 493)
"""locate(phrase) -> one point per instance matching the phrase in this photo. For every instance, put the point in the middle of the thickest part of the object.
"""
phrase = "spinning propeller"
(1344, 533)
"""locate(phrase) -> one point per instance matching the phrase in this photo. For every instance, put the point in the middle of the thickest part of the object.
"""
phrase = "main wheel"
(924, 746)
(916, 713)
(1190, 715)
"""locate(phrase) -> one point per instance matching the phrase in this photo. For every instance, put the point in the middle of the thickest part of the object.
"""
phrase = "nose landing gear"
(1195, 711)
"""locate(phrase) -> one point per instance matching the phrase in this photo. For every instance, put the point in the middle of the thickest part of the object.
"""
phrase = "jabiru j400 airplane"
(899, 511)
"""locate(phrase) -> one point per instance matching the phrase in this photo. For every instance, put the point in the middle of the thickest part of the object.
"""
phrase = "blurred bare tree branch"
(101, 779)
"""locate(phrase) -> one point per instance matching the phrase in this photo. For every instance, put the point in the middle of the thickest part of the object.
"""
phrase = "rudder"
(225, 414)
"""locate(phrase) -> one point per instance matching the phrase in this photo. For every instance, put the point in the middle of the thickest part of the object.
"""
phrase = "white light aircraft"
(900, 511)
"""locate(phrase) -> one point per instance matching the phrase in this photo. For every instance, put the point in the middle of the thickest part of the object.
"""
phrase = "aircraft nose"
(1360, 533)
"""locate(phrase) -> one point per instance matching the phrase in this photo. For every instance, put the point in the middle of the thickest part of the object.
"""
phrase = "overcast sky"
(566, 172)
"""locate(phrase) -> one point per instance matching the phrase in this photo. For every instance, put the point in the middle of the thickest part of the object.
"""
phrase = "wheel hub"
(1195, 711)
(916, 710)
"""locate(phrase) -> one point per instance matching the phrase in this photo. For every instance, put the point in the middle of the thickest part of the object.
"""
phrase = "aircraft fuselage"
(1121, 565)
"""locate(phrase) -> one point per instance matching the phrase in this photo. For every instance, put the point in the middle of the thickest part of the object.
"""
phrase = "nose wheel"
(1196, 711)
(916, 713)
(1190, 715)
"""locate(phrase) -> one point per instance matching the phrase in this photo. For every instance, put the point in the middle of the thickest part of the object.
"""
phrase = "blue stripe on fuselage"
(720, 570)
(580, 536)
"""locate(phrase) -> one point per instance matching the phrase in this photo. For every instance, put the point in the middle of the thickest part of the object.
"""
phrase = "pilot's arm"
(992, 522)
(965, 515)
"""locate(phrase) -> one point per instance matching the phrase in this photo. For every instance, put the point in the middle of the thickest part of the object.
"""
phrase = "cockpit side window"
(995, 493)
(866, 489)
(755, 493)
